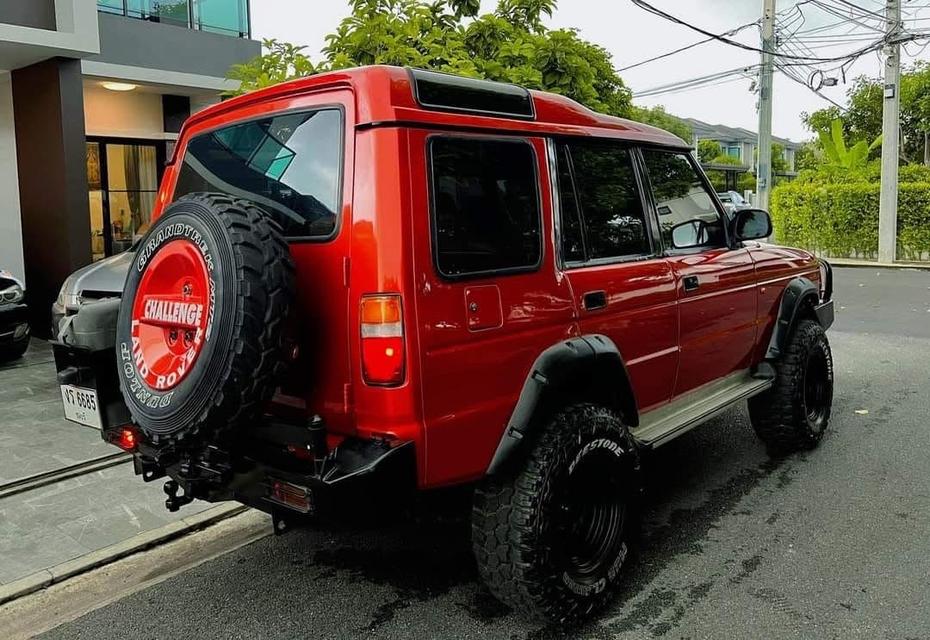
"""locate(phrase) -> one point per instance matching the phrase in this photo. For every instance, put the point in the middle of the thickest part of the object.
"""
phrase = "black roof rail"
(447, 92)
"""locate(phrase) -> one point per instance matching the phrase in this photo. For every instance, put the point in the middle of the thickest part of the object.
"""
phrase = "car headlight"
(12, 294)
(68, 297)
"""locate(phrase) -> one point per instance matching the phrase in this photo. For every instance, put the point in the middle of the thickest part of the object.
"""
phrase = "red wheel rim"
(170, 315)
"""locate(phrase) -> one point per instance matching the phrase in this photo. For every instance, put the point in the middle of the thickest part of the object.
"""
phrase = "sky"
(631, 35)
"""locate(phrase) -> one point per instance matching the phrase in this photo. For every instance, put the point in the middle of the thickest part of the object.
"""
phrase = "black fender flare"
(587, 366)
(798, 293)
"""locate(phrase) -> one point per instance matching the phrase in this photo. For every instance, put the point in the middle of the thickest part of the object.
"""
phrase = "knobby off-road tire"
(793, 415)
(200, 332)
(552, 538)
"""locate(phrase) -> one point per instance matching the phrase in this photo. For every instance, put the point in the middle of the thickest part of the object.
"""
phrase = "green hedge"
(841, 220)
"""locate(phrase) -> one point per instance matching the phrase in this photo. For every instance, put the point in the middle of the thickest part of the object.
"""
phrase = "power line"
(716, 36)
(686, 47)
(694, 83)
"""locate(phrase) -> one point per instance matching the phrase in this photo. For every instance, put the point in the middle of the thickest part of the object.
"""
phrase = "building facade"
(740, 144)
(92, 97)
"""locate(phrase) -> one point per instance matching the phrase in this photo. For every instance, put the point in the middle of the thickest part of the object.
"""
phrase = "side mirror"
(752, 224)
(687, 235)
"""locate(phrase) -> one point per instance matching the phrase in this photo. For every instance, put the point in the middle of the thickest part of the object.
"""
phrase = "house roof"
(703, 130)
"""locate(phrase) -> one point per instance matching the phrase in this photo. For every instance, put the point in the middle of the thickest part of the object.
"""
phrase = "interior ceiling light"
(118, 86)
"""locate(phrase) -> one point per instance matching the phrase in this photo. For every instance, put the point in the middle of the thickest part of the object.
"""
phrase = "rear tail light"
(383, 353)
(126, 438)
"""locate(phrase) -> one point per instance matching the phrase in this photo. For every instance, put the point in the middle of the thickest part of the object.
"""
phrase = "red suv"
(384, 279)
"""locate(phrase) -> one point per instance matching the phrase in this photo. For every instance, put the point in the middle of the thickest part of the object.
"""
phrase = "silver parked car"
(97, 281)
(733, 202)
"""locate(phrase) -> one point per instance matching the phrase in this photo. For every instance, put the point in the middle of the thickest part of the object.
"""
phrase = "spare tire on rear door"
(201, 322)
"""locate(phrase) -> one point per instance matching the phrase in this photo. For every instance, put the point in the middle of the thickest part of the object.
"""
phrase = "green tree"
(725, 159)
(863, 118)
(281, 61)
(659, 117)
(808, 157)
(708, 150)
(510, 44)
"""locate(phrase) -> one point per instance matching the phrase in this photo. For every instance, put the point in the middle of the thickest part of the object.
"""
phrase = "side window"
(570, 220)
(485, 205)
(687, 214)
(609, 200)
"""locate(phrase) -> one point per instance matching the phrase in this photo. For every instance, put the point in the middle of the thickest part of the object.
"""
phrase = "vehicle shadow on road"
(424, 558)
(413, 576)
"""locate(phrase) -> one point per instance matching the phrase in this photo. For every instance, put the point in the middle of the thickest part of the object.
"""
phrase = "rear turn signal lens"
(383, 353)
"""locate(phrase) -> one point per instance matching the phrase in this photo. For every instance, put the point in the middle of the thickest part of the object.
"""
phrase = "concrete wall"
(151, 45)
(133, 114)
(38, 14)
(11, 229)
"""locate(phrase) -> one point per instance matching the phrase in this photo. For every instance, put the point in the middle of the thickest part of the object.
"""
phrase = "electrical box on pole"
(891, 114)
(764, 163)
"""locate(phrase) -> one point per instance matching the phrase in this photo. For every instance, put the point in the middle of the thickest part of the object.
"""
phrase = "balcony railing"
(228, 17)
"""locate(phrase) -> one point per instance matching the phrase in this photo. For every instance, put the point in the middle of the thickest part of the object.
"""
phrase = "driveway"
(833, 543)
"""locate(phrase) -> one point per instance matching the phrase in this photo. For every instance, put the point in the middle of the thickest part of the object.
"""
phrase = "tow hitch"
(285, 469)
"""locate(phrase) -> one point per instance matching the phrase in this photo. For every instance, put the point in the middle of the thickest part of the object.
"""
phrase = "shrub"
(841, 219)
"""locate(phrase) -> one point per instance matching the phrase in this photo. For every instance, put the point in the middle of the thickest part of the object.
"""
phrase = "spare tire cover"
(200, 330)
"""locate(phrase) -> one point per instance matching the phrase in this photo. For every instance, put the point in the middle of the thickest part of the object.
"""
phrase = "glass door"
(123, 182)
(96, 197)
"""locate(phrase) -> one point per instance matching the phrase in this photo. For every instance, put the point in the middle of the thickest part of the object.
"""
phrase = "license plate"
(81, 405)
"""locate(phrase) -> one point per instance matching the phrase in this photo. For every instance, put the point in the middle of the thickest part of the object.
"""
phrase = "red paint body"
(466, 363)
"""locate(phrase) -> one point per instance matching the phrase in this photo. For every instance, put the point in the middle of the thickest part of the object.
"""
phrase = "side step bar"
(666, 423)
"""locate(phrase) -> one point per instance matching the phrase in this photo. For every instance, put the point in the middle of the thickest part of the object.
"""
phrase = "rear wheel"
(200, 330)
(795, 412)
(552, 539)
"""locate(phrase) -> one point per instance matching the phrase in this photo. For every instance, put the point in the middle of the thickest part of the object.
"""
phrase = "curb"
(139, 542)
(866, 264)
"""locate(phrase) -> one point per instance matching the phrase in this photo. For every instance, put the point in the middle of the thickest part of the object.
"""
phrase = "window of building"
(485, 205)
(290, 165)
(683, 202)
(734, 151)
(122, 182)
(229, 17)
(608, 198)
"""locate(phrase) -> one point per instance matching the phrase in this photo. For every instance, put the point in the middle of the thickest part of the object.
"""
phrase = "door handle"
(595, 300)
(691, 283)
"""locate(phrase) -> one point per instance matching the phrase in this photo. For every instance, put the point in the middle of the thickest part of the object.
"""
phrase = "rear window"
(290, 165)
(486, 214)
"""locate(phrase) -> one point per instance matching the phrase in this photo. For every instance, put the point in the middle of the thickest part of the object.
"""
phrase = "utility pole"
(891, 114)
(764, 166)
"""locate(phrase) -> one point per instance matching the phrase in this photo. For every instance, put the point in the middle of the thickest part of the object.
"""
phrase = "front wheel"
(794, 414)
(551, 539)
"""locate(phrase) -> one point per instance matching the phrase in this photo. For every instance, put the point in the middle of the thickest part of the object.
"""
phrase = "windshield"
(290, 165)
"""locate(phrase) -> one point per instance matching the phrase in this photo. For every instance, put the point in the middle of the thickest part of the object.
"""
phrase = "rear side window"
(485, 205)
(608, 199)
(290, 165)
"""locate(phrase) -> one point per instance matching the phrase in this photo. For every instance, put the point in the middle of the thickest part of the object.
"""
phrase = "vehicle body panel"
(470, 343)
(471, 379)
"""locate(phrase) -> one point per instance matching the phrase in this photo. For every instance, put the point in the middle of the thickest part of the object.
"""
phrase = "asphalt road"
(834, 543)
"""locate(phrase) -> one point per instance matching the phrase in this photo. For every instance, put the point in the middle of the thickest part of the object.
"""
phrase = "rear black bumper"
(354, 471)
